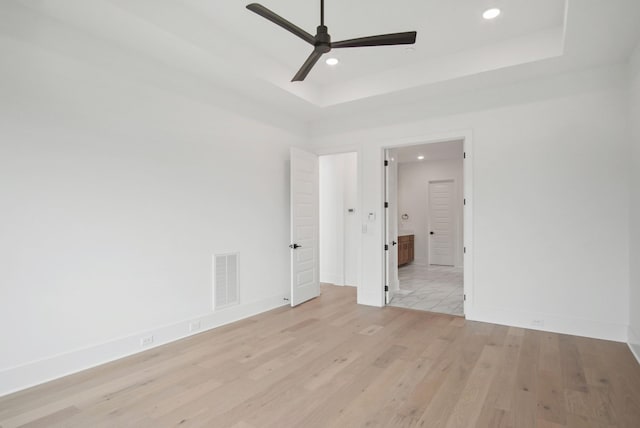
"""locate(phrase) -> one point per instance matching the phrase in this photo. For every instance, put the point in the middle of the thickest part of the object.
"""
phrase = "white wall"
(413, 185)
(634, 259)
(550, 200)
(339, 229)
(114, 196)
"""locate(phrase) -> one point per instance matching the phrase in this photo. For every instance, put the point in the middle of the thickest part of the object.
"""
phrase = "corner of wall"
(634, 343)
(633, 339)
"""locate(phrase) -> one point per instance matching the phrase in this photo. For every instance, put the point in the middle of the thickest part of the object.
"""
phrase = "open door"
(305, 277)
(391, 226)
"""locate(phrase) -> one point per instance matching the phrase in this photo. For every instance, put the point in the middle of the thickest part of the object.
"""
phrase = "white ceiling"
(220, 44)
(444, 27)
(453, 39)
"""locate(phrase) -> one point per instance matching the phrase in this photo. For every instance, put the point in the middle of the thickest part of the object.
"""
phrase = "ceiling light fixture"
(491, 13)
(420, 157)
(332, 61)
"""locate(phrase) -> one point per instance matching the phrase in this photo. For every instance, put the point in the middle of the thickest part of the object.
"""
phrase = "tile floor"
(430, 288)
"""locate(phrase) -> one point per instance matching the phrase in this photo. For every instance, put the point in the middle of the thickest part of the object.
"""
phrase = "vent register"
(226, 284)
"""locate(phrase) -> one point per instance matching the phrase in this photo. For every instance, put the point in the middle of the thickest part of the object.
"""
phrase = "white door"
(305, 281)
(391, 227)
(441, 223)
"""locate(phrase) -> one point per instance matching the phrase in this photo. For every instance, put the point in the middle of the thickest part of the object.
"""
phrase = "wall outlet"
(194, 326)
(537, 323)
(146, 341)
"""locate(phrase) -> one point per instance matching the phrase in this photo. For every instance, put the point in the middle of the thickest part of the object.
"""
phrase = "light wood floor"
(332, 363)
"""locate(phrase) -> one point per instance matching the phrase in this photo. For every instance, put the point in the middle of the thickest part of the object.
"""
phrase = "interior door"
(305, 278)
(441, 239)
(391, 226)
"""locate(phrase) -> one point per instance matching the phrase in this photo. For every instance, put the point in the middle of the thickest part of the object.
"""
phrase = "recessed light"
(491, 13)
(332, 61)
(420, 157)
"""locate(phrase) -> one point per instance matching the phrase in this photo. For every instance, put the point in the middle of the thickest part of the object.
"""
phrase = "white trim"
(552, 323)
(337, 150)
(467, 223)
(634, 343)
(36, 372)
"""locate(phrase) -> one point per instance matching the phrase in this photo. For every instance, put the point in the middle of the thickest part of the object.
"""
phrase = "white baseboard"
(34, 373)
(551, 323)
(634, 343)
(331, 278)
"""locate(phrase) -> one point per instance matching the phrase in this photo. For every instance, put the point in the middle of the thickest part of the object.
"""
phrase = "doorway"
(424, 200)
(339, 219)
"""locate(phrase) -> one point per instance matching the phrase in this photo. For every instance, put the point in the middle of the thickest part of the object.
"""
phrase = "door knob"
(431, 233)
(294, 246)
(394, 243)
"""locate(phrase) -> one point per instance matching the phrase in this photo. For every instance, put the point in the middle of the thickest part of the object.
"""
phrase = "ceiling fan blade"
(308, 65)
(407, 38)
(278, 20)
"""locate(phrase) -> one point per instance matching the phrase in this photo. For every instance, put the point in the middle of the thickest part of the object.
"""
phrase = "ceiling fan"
(322, 40)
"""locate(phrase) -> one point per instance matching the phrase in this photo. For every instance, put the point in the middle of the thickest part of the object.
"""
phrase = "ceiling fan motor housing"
(323, 39)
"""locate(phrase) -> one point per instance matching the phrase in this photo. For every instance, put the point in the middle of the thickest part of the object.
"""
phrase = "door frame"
(467, 210)
(454, 215)
(391, 245)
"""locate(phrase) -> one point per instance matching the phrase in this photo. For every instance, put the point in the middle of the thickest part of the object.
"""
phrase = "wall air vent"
(226, 284)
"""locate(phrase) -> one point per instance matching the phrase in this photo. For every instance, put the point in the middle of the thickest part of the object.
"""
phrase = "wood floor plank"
(449, 391)
(469, 405)
(56, 418)
(551, 400)
(331, 362)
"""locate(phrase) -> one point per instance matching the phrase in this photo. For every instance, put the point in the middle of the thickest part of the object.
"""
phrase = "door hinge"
(464, 201)
(386, 163)
(386, 247)
(464, 297)
(386, 204)
(464, 155)
(464, 250)
(386, 288)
